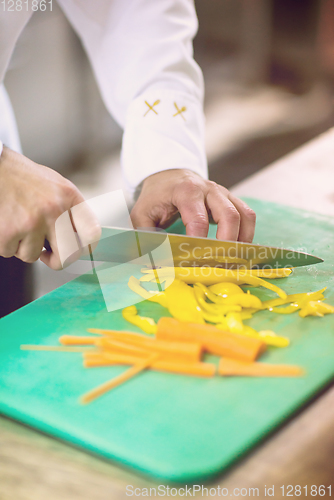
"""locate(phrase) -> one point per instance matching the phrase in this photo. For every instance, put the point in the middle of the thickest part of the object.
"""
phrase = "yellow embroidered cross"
(180, 111)
(151, 107)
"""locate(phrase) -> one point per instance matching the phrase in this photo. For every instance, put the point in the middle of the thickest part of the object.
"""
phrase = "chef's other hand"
(32, 197)
(167, 193)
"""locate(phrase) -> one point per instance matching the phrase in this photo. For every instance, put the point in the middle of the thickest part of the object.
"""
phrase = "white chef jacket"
(141, 54)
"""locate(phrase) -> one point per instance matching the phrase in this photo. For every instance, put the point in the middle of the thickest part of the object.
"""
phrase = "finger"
(52, 258)
(140, 218)
(10, 248)
(86, 224)
(224, 213)
(247, 220)
(30, 247)
(64, 243)
(190, 203)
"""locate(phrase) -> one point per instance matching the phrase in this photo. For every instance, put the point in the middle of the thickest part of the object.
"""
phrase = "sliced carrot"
(196, 369)
(126, 335)
(115, 346)
(213, 339)
(231, 367)
(28, 347)
(120, 379)
(76, 340)
(190, 350)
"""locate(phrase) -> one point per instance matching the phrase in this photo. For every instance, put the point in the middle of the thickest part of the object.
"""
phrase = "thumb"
(140, 219)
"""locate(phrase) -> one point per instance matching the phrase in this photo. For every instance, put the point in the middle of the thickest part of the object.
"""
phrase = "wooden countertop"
(36, 467)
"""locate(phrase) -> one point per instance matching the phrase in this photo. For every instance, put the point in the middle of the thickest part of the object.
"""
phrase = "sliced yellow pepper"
(148, 325)
(135, 286)
(216, 297)
(239, 299)
(234, 322)
(182, 303)
(211, 308)
(296, 297)
(210, 276)
(281, 272)
(315, 308)
(224, 289)
(261, 273)
(268, 336)
(159, 297)
(286, 310)
(248, 313)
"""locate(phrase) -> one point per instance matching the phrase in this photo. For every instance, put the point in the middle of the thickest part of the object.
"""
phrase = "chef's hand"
(32, 197)
(167, 193)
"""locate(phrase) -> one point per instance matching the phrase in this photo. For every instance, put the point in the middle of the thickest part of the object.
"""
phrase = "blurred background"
(269, 72)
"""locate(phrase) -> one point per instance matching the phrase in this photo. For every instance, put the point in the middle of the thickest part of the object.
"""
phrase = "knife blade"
(118, 245)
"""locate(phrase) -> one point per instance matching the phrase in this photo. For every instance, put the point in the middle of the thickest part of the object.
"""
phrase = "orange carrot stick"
(120, 379)
(76, 340)
(115, 346)
(213, 339)
(230, 367)
(56, 348)
(196, 369)
(183, 350)
(113, 333)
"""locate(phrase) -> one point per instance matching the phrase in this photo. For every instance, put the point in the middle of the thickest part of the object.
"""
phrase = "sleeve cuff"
(164, 130)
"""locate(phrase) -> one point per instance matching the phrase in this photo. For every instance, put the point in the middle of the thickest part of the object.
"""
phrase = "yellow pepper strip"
(260, 273)
(267, 304)
(315, 308)
(217, 319)
(225, 260)
(222, 325)
(282, 272)
(213, 309)
(135, 286)
(182, 303)
(145, 270)
(159, 298)
(148, 277)
(234, 322)
(225, 289)
(286, 310)
(212, 275)
(206, 292)
(268, 336)
(248, 313)
(148, 325)
(245, 300)
(239, 299)
(168, 282)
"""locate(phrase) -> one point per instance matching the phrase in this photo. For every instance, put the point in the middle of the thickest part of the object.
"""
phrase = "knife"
(118, 245)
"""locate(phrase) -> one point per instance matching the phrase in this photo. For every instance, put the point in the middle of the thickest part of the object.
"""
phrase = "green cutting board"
(172, 427)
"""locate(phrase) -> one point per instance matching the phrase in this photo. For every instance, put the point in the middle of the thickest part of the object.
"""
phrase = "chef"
(141, 54)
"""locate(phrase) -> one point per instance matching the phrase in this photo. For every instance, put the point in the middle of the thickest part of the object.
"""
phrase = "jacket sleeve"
(142, 56)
